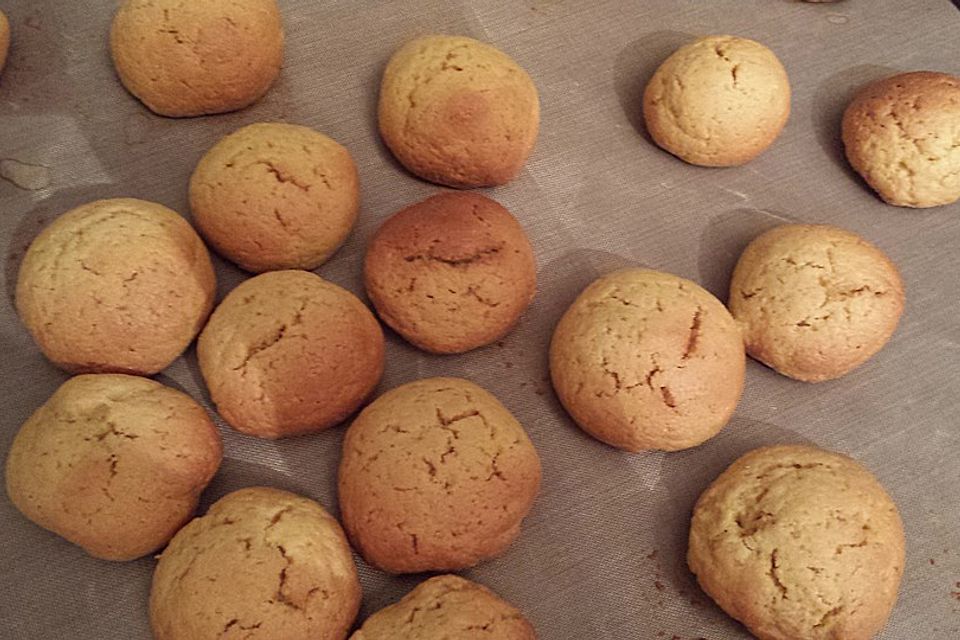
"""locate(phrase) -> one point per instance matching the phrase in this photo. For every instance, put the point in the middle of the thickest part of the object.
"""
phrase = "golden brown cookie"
(275, 196)
(719, 101)
(193, 58)
(458, 112)
(118, 285)
(900, 134)
(4, 39)
(262, 564)
(451, 273)
(798, 543)
(648, 360)
(446, 607)
(288, 353)
(113, 463)
(436, 475)
(815, 301)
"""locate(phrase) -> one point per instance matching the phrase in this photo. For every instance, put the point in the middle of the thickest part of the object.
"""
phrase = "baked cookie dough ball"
(458, 112)
(275, 196)
(263, 564)
(798, 543)
(4, 39)
(451, 273)
(436, 475)
(902, 134)
(288, 353)
(647, 360)
(119, 286)
(814, 301)
(446, 607)
(194, 58)
(113, 463)
(717, 102)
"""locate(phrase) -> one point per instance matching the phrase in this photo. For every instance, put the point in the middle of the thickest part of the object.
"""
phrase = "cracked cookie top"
(186, 58)
(118, 285)
(815, 301)
(717, 102)
(275, 196)
(436, 475)
(287, 353)
(799, 543)
(262, 564)
(113, 463)
(458, 112)
(451, 273)
(902, 134)
(648, 360)
(446, 607)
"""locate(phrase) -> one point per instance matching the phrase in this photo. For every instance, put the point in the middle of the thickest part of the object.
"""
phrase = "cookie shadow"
(830, 100)
(724, 239)
(685, 475)
(635, 65)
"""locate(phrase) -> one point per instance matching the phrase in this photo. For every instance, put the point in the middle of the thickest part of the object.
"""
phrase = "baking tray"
(602, 553)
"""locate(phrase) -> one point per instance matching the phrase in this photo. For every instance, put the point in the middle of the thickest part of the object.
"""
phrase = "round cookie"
(719, 101)
(262, 564)
(113, 463)
(458, 112)
(814, 301)
(436, 475)
(446, 607)
(4, 39)
(193, 58)
(798, 543)
(647, 360)
(451, 273)
(118, 285)
(288, 353)
(901, 135)
(275, 196)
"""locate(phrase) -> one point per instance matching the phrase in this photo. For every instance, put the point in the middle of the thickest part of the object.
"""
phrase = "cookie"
(4, 39)
(900, 134)
(194, 58)
(288, 353)
(113, 463)
(119, 286)
(798, 543)
(451, 273)
(261, 564)
(446, 607)
(815, 301)
(436, 475)
(275, 196)
(458, 112)
(719, 101)
(647, 360)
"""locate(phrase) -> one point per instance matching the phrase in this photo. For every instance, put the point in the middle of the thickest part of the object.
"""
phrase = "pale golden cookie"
(815, 301)
(436, 475)
(451, 273)
(262, 564)
(648, 360)
(193, 58)
(4, 39)
(798, 543)
(717, 102)
(288, 353)
(117, 285)
(447, 607)
(458, 112)
(275, 196)
(113, 463)
(902, 134)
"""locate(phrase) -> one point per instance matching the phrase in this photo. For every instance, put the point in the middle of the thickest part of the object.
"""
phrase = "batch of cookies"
(437, 475)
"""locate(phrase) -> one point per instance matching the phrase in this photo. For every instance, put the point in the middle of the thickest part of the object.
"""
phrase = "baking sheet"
(602, 554)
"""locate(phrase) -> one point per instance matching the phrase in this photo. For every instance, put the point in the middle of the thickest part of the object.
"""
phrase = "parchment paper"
(602, 554)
